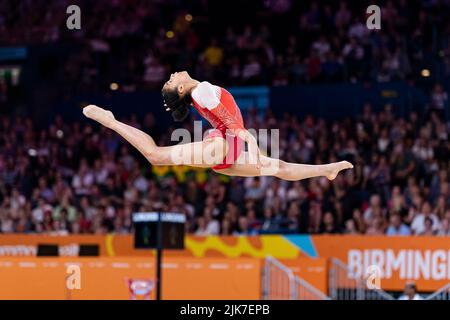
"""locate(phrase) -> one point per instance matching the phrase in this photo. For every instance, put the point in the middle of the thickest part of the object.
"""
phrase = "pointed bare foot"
(336, 167)
(105, 117)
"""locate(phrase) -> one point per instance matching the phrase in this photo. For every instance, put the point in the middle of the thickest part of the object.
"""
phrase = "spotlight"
(188, 17)
(170, 34)
(425, 73)
(32, 152)
(114, 86)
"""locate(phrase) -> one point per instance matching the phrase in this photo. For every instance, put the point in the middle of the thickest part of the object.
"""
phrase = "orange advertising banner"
(424, 260)
(314, 271)
(108, 278)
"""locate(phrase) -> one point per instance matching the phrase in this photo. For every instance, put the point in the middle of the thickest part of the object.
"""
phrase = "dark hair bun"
(178, 105)
(171, 99)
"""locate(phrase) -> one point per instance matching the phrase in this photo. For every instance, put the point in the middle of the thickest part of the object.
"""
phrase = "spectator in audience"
(269, 222)
(377, 227)
(374, 209)
(226, 228)
(213, 54)
(410, 292)
(439, 98)
(420, 223)
(244, 228)
(397, 227)
(212, 225)
(201, 227)
(329, 225)
(350, 227)
(429, 230)
(444, 230)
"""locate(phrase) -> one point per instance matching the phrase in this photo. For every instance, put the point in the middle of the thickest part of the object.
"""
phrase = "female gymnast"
(223, 148)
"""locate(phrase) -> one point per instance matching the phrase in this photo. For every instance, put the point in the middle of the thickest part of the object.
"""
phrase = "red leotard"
(217, 105)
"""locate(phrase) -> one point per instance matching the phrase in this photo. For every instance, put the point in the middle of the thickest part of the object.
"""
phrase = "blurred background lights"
(170, 34)
(425, 73)
(114, 86)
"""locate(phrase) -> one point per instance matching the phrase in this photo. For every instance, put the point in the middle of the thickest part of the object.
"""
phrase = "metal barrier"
(343, 284)
(441, 294)
(305, 291)
(280, 283)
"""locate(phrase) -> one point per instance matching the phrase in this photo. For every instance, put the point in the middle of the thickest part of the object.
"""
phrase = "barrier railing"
(441, 294)
(305, 291)
(280, 283)
(343, 284)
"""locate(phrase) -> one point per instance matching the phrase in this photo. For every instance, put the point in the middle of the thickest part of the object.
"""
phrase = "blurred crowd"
(73, 177)
(137, 43)
(81, 178)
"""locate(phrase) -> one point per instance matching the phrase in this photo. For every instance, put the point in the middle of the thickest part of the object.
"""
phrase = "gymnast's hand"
(253, 149)
(105, 117)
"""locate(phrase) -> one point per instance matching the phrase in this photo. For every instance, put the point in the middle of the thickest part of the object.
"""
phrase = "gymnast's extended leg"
(284, 170)
(205, 154)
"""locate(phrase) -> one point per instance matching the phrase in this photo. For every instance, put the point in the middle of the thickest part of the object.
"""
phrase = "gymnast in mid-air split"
(223, 148)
